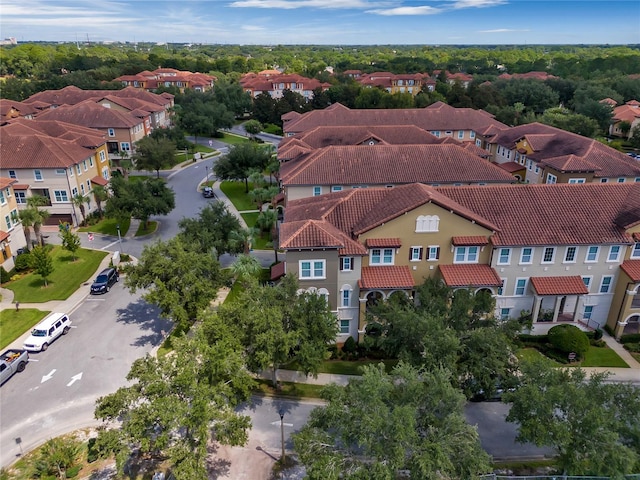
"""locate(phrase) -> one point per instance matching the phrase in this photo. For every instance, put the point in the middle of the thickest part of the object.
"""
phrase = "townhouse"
(55, 160)
(337, 168)
(625, 119)
(169, 77)
(439, 119)
(274, 83)
(560, 253)
(10, 109)
(552, 155)
(12, 236)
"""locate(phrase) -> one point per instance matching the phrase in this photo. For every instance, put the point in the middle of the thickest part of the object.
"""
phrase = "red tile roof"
(92, 115)
(469, 240)
(21, 186)
(308, 234)
(278, 270)
(570, 285)
(386, 278)
(632, 269)
(98, 180)
(6, 182)
(470, 275)
(3, 235)
(383, 243)
(636, 236)
(511, 167)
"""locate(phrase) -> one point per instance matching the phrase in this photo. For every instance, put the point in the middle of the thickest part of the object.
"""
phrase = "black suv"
(207, 192)
(104, 281)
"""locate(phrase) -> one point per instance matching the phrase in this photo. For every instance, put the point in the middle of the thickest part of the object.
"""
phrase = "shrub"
(598, 343)
(4, 275)
(73, 471)
(568, 339)
(333, 350)
(609, 330)
(597, 335)
(630, 338)
(632, 347)
(350, 346)
(23, 262)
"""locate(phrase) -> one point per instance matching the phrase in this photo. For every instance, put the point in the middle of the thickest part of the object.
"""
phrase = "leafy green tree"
(181, 281)
(252, 127)
(28, 218)
(214, 231)
(592, 424)
(634, 139)
(56, 456)
(242, 160)
(246, 267)
(571, 122)
(177, 404)
(79, 202)
(280, 326)
(42, 262)
(140, 199)
(242, 240)
(100, 194)
(411, 420)
(154, 154)
(232, 96)
(35, 202)
(70, 241)
(264, 109)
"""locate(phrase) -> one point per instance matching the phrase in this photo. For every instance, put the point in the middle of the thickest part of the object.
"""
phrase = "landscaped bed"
(13, 323)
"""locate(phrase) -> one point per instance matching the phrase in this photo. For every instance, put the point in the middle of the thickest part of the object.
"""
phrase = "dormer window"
(427, 223)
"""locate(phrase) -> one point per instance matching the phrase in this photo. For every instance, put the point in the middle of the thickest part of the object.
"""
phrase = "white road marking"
(48, 376)
(74, 379)
(110, 245)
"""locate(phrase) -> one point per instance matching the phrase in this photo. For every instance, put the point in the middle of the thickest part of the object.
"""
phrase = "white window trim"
(617, 259)
(575, 254)
(508, 262)
(382, 262)
(602, 283)
(524, 290)
(428, 254)
(466, 254)
(553, 256)
(341, 262)
(586, 257)
(635, 250)
(530, 256)
(590, 280)
(311, 265)
(413, 249)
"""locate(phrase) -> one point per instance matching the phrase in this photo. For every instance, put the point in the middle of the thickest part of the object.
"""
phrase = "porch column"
(624, 311)
(362, 318)
(578, 309)
(537, 302)
(556, 308)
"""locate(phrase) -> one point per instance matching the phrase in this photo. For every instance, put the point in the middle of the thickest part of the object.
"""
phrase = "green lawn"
(531, 354)
(14, 323)
(108, 226)
(151, 227)
(66, 278)
(235, 192)
(262, 242)
(602, 357)
(233, 139)
(344, 367)
(288, 389)
(250, 218)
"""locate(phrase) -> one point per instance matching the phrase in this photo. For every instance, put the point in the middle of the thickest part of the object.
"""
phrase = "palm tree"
(242, 239)
(40, 216)
(28, 218)
(246, 267)
(78, 201)
(100, 194)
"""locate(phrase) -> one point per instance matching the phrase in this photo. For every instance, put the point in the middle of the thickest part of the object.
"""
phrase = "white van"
(47, 331)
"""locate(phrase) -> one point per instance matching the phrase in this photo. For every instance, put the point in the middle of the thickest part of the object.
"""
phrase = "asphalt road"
(57, 391)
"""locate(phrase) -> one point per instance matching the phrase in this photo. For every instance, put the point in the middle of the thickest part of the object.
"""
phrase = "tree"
(242, 240)
(215, 231)
(571, 122)
(70, 241)
(34, 202)
(246, 267)
(140, 199)
(56, 456)
(634, 139)
(42, 262)
(154, 154)
(177, 404)
(181, 281)
(28, 218)
(252, 127)
(241, 161)
(411, 420)
(79, 202)
(100, 194)
(280, 326)
(592, 424)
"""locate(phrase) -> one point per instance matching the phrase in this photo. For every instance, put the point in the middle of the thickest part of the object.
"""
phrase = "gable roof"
(72, 95)
(386, 277)
(569, 285)
(90, 114)
(390, 164)
(83, 136)
(470, 275)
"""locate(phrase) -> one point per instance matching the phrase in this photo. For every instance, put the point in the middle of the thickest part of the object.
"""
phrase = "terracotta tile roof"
(391, 164)
(6, 182)
(570, 163)
(525, 76)
(72, 95)
(470, 275)
(628, 112)
(90, 114)
(529, 214)
(83, 136)
(438, 116)
(469, 240)
(21, 186)
(636, 236)
(11, 109)
(383, 243)
(98, 180)
(570, 285)
(3, 235)
(511, 167)
(386, 278)
(307, 234)
(278, 270)
(632, 269)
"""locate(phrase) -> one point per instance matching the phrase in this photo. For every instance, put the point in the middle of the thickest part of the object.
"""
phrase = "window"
(592, 254)
(21, 198)
(91, 161)
(12, 174)
(604, 180)
(346, 298)
(614, 253)
(37, 174)
(344, 326)
(312, 269)
(621, 180)
(111, 132)
(502, 286)
(103, 157)
(7, 220)
(60, 195)
(61, 171)
(460, 134)
(548, 255)
(605, 285)
(472, 134)
(381, 256)
(415, 255)
(317, 191)
(466, 255)
(526, 255)
(336, 188)
(635, 252)
(88, 185)
(105, 173)
(551, 178)
(505, 313)
(346, 264)
(521, 286)
(433, 253)
(587, 282)
(576, 180)
(588, 311)
(504, 256)
(125, 146)
(436, 133)
(82, 188)
(78, 169)
(570, 255)
(427, 223)
(2, 199)
(84, 165)
(448, 132)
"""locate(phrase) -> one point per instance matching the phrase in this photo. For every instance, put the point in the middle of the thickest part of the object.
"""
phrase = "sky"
(325, 22)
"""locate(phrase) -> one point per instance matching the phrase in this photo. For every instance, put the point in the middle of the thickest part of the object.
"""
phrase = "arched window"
(346, 295)
(427, 223)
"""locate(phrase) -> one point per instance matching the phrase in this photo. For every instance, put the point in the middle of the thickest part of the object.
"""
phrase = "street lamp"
(206, 167)
(281, 412)
(119, 237)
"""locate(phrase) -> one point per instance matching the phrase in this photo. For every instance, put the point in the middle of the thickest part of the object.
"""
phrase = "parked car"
(207, 192)
(104, 281)
(47, 331)
(12, 361)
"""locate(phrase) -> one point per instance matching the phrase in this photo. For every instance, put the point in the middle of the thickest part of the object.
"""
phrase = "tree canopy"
(213, 231)
(241, 161)
(139, 199)
(154, 154)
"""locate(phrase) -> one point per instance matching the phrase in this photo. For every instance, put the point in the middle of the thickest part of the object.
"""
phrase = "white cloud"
(420, 10)
(293, 4)
(459, 4)
(252, 28)
(504, 30)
